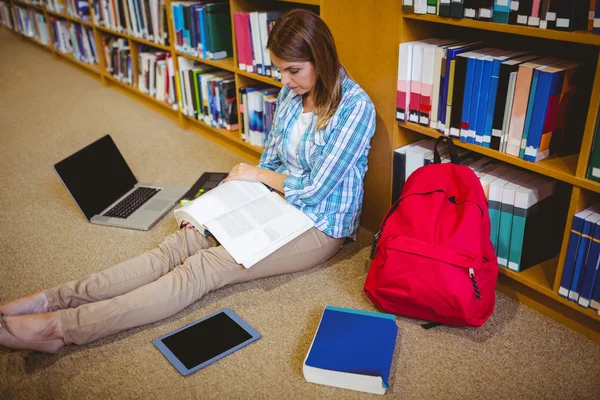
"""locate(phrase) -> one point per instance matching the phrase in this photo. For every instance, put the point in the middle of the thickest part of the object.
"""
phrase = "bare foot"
(34, 327)
(36, 303)
(39, 332)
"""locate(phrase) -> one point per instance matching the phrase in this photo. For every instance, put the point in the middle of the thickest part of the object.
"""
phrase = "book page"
(260, 227)
(224, 198)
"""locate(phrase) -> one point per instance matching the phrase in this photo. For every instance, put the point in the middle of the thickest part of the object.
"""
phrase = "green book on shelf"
(594, 164)
(218, 25)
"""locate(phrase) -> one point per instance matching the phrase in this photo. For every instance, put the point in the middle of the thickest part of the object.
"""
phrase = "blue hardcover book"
(534, 96)
(493, 92)
(464, 121)
(595, 301)
(591, 269)
(572, 250)
(486, 78)
(552, 79)
(178, 11)
(451, 54)
(203, 31)
(475, 94)
(501, 11)
(352, 349)
(582, 253)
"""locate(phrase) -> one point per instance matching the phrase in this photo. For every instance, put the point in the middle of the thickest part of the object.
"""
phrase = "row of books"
(207, 94)
(146, 19)
(203, 29)
(31, 23)
(593, 171)
(5, 15)
(257, 110)
(522, 205)
(568, 15)
(57, 6)
(84, 44)
(79, 9)
(156, 75)
(580, 281)
(118, 59)
(251, 35)
(515, 102)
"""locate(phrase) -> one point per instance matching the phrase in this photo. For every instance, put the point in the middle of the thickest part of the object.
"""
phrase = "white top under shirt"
(297, 132)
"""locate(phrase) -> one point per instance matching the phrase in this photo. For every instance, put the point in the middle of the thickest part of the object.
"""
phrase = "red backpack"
(433, 258)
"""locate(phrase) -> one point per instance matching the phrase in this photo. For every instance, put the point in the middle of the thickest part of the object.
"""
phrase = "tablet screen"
(205, 340)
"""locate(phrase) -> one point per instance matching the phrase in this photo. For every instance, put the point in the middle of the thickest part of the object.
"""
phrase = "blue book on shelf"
(203, 32)
(464, 120)
(530, 104)
(501, 11)
(591, 269)
(486, 77)
(352, 349)
(491, 104)
(595, 300)
(572, 250)
(475, 94)
(451, 54)
(551, 85)
(582, 254)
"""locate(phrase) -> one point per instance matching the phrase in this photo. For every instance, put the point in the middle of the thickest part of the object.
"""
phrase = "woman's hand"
(187, 224)
(244, 172)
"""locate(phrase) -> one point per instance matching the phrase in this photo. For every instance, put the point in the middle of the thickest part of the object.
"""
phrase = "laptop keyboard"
(131, 203)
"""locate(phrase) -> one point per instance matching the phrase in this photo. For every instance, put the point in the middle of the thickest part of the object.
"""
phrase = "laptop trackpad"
(158, 205)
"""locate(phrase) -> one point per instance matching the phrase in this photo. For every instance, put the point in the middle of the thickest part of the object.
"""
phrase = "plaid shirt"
(334, 160)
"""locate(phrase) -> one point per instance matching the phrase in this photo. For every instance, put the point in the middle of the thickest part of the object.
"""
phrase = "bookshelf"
(537, 287)
(367, 36)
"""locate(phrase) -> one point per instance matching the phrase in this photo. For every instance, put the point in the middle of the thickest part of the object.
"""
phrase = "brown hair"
(300, 35)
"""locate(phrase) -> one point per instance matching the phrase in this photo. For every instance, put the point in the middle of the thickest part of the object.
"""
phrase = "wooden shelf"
(24, 4)
(226, 63)
(69, 56)
(540, 278)
(260, 78)
(560, 168)
(307, 2)
(230, 135)
(32, 40)
(139, 92)
(135, 39)
(573, 37)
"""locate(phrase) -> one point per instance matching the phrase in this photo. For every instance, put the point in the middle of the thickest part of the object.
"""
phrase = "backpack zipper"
(472, 276)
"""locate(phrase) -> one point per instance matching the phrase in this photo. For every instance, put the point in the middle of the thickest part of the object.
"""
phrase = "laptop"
(107, 192)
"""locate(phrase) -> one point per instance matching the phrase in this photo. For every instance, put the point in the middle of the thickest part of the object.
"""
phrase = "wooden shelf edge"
(539, 167)
(25, 4)
(257, 77)
(230, 135)
(225, 63)
(307, 2)
(134, 38)
(135, 90)
(582, 37)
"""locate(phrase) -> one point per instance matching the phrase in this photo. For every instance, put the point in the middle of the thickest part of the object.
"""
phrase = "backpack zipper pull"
(374, 244)
(472, 276)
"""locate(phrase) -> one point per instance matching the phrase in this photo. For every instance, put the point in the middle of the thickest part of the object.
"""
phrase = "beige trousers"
(163, 281)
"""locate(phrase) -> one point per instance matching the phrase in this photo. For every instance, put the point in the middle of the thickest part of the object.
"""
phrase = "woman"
(316, 155)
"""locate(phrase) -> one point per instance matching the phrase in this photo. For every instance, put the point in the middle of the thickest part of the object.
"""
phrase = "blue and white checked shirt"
(334, 160)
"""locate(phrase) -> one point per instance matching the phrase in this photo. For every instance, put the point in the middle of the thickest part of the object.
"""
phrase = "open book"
(248, 220)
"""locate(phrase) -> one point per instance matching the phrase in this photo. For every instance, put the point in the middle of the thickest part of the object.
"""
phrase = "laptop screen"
(96, 176)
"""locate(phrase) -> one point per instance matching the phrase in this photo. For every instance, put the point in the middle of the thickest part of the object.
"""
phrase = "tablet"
(205, 341)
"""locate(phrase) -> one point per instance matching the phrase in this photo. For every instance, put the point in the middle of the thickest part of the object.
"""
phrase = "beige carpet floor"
(49, 108)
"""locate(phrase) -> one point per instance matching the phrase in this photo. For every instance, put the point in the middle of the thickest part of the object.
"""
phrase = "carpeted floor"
(48, 109)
